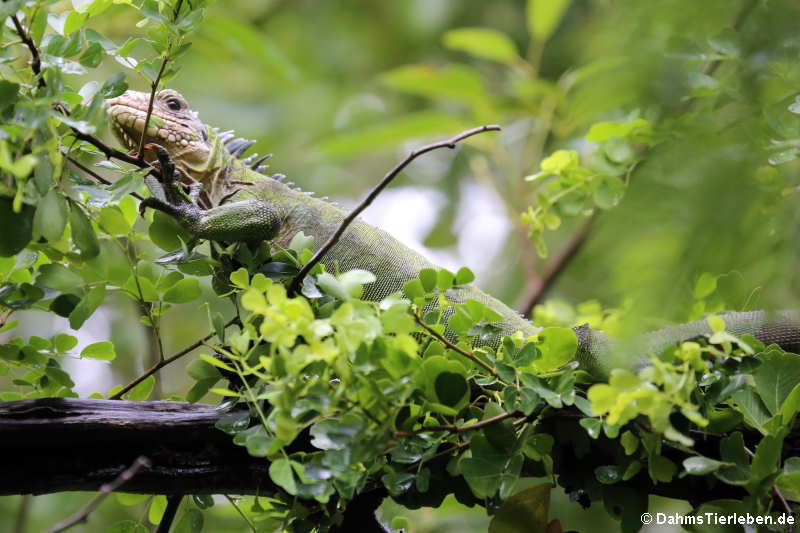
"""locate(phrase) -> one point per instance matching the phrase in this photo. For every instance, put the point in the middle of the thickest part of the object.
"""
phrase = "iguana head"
(172, 124)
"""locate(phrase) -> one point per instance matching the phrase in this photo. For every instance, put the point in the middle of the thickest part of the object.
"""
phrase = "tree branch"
(556, 267)
(317, 257)
(164, 362)
(36, 62)
(189, 455)
(173, 502)
(106, 489)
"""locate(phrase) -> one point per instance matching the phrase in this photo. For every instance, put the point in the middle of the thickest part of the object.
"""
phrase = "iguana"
(231, 200)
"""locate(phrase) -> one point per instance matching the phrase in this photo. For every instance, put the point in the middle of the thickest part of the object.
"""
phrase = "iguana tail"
(599, 354)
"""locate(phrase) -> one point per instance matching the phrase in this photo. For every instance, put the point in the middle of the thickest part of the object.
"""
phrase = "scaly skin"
(240, 204)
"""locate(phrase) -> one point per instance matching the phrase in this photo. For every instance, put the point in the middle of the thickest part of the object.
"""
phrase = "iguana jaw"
(172, 125)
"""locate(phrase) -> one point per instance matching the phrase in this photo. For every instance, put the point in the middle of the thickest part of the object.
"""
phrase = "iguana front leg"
(245, 220)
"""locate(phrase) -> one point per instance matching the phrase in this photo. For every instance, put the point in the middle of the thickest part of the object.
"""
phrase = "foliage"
(415, 395)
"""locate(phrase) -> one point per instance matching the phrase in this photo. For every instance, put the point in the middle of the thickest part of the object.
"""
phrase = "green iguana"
(231, 200)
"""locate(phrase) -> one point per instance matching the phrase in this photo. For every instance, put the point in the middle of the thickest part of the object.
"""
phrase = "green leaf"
(592, 426)
(457, 83)
(128, 499)
(427, 276)
(766, 459)
(64, 343)
(661, 468)
(775, 378)
(280, 471)
(51, 216)
(484, 43)
(488, 468)
(700, 466)
(87, 306)
(143, 390)
(258, 442)
(332, 286)
(83, 234)
(464, 276)
(113, 221)
(445, 279)
(200, 369)
(608, 475)
(103, 350)
(524, 512)
(705, 286)
(57, 276)
(157, 508)
(22, 222)
(185, 290)
(414, 289)
(608, 191)
(752, 407)
(388, 133)
(544, 17)
(558, 347)
(445, 382)
(354, 280)
(190, 522)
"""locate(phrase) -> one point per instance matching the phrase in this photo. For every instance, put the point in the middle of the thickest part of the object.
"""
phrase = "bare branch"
(317, 257)
(106, 489)
(153, 89)
(36, 62)
(164, 362)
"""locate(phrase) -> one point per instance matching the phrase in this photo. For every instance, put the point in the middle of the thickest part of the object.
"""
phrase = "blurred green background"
(340, 91)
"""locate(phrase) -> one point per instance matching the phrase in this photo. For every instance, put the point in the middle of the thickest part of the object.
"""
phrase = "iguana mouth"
(171, 123)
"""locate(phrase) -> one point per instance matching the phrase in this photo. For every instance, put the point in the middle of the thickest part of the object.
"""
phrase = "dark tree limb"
(59, 444)
(173, 502)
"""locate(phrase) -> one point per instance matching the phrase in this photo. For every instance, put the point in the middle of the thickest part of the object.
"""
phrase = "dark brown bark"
(59, 444)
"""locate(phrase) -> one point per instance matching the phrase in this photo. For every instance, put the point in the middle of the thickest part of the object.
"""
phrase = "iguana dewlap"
(239, 203)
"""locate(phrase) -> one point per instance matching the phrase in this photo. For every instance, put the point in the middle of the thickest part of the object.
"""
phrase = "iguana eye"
(174, 104)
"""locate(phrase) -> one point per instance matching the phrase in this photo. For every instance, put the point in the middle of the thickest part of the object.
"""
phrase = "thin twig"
(333, 239)
(153, 89)
(4, 314)
(557, 266)
(241, 513)
(154, 84)
(173, 502)
(23, 513)
(786, 506)
(106, 489)
(469, 355)
(161, 364)
(452, 428)
(36, 62)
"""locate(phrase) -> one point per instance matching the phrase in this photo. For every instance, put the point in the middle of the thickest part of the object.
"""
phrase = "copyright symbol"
(646, 518)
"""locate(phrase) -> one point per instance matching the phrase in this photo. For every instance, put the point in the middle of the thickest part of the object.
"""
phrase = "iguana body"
(238, 203)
